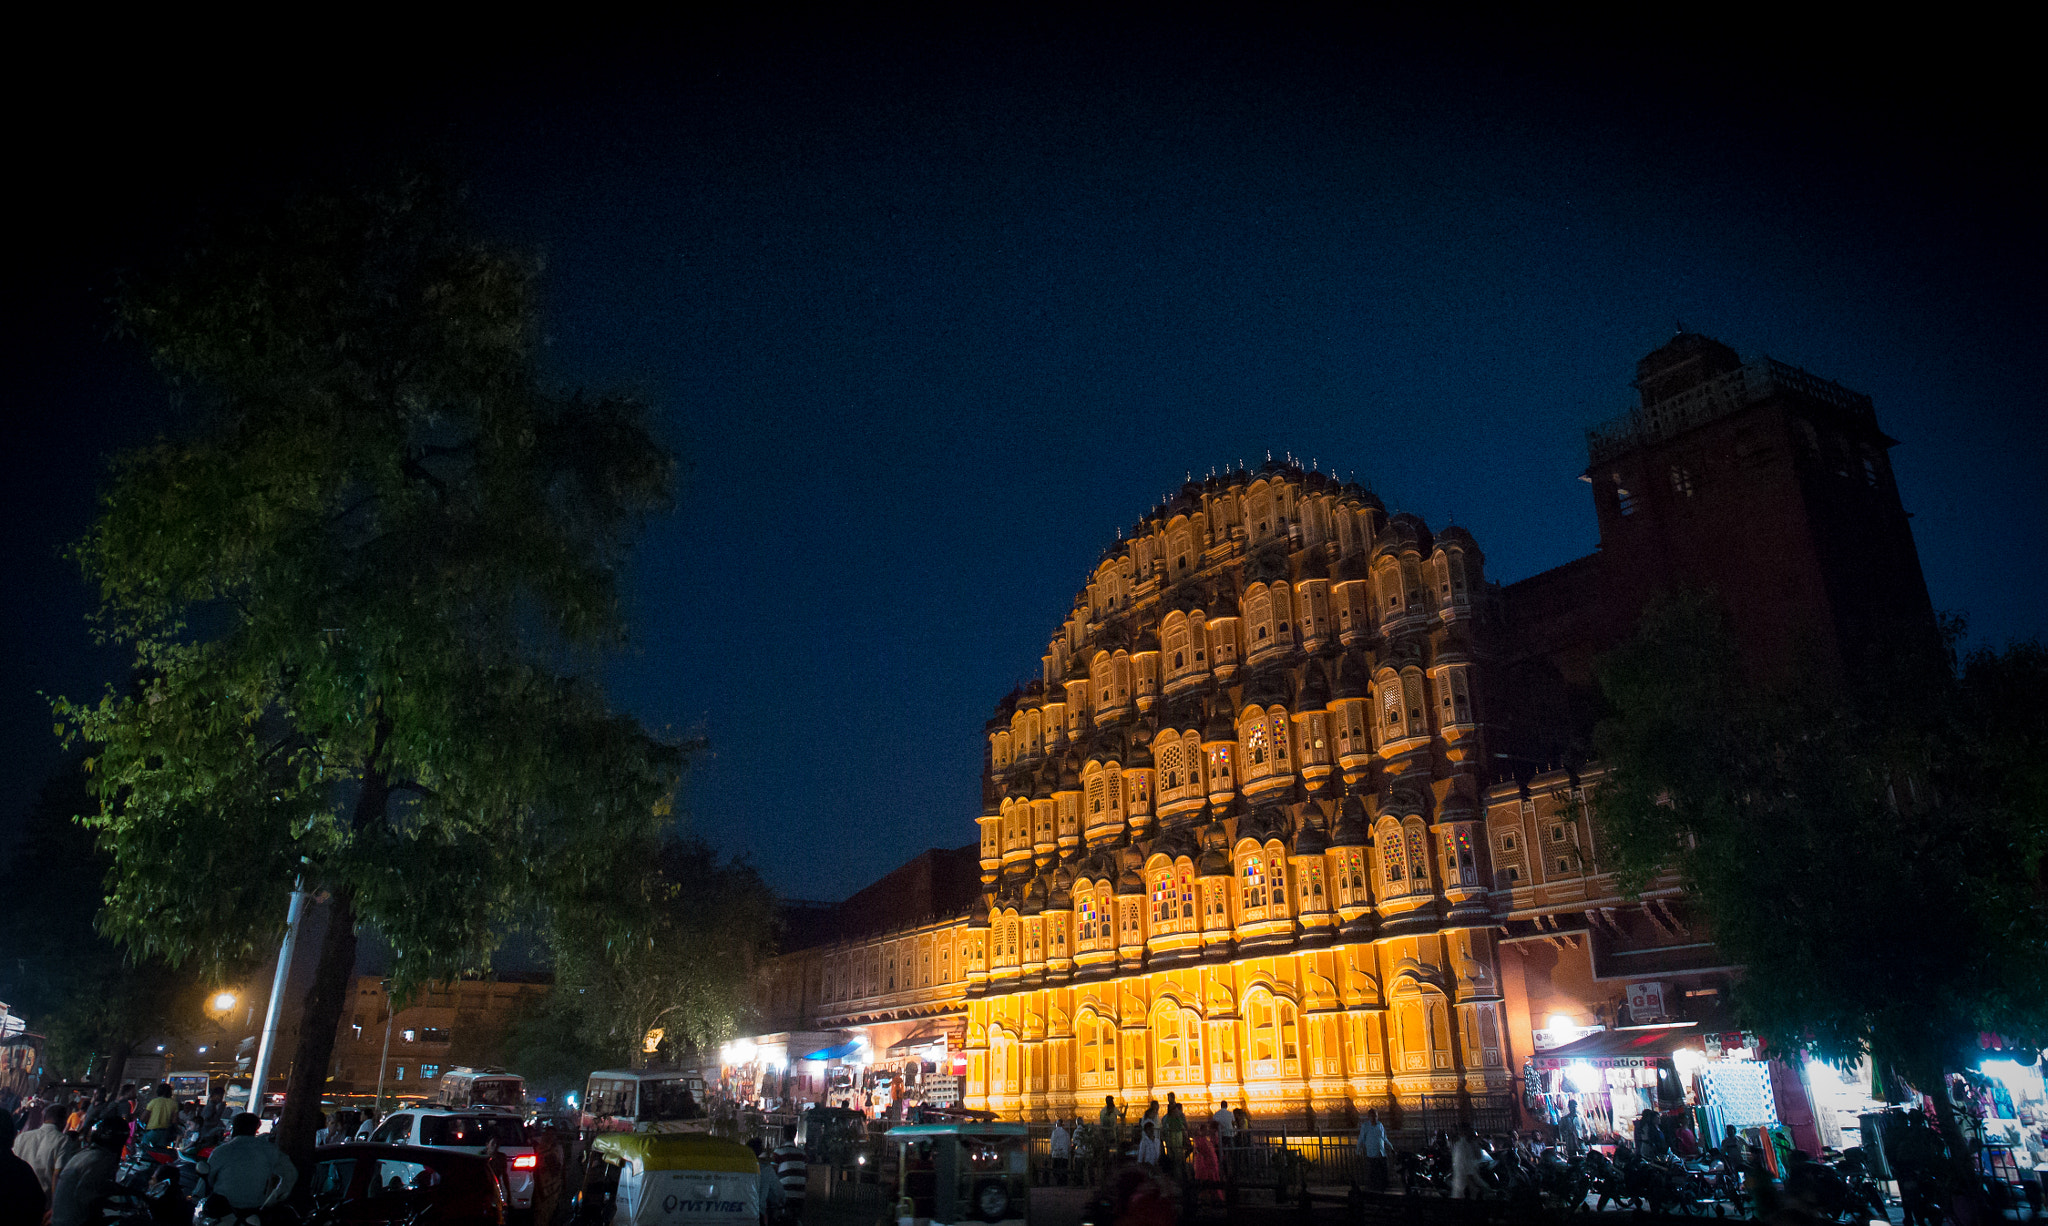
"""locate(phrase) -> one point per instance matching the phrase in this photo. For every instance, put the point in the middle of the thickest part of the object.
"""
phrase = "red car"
(371, 1184)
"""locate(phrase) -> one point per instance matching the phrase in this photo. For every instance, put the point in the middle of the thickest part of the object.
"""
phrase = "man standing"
(1465, 1164)
(1062, 1150)
(1107, 1121)
(249, 1170)
(1373, 1146)
(1173, 1134)
(792, 1169)
(1148, 1146)
(1570, 1131)
(1226, 1123)
(40, 1147)
(88, 1178)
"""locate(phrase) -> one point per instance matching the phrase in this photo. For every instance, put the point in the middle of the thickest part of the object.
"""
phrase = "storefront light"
(1687, 1061)
(1559, 1021)
(1584, 1077)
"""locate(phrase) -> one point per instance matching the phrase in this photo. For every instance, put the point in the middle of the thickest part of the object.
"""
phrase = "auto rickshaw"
(962, 1172)
(659, 1178)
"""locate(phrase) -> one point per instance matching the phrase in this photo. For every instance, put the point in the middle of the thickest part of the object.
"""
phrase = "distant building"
(1293, 816)
(448, 1024)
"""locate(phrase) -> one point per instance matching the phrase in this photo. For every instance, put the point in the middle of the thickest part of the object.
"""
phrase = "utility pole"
(385, 1059)
(267, 1045)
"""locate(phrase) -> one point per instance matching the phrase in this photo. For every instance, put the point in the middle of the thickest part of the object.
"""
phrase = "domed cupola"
(1034, 897)
(1061, 896)
(1350, 680)
(1265, 687)
(1352, 829)
(1043, 782)
(1313, 694)
(1309, 840)
(1219, 727)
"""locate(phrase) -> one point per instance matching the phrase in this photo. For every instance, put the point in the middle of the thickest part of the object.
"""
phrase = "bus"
(463, 1086)
(642, 1100)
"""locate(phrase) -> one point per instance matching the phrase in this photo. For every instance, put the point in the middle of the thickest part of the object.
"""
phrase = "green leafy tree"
(1871, 854)
(685, 969)
(367, 582)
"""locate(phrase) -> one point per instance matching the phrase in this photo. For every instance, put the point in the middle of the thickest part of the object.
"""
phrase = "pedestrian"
(1107, 1124)
(88, 1178)
(1225, 1121)
(320, 1134)
(1173, 1135)
(23, 1194)
(159, 1118)
(368, 1127)
(769, 1183)
(1208, 1164)
(1570, 1130)
(1148, 1145)
(792, 1169)
(1465, 1164)
(40, 1147)
(1062, 1150)
(1311, 1118)
(1649, 1135)
(1243, 1121)
(248, 1170)
(75, 1122)
(1374, 1147)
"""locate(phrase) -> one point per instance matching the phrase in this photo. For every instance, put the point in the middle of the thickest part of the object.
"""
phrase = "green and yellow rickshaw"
(669, 1179)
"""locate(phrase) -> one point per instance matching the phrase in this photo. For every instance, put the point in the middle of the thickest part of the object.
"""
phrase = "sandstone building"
(1296, 812)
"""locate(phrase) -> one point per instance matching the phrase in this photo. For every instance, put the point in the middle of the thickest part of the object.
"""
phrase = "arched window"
(1192, 742)
(1164, 911)
(1278, 716)
(1262, 1018)
(1184, 881)
(1394, 857)
(1390, 703)
(1310, 883)
(1169, 759)
(1418, 855)
(1254, 734)
(1175, 648)
(1219, 913)
(1411, 682)
(1087, 915)
(1094, 795)
(1254, 885)
(1098, 1045)
(1276, 881)
(1113, 788)
(1282, 613)
(1258, 613)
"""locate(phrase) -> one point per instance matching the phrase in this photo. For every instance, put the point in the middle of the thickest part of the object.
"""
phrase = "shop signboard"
(1646, 1002)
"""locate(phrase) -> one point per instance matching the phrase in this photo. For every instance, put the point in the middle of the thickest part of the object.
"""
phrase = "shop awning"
(841, 1052)
(923, 1037)
(1630, 1048)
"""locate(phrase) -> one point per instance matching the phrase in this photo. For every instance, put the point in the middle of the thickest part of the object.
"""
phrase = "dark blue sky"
(932, 316)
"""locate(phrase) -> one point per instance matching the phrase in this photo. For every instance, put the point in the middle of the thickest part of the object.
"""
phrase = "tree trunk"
(110, 1077)
(332, 978)
(1962, 1172)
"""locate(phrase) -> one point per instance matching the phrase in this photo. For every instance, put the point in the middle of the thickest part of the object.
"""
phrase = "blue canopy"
(840, 1052)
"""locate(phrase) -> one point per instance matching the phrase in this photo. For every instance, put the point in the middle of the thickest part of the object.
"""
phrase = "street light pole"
(385, 1059)
(261, 1072)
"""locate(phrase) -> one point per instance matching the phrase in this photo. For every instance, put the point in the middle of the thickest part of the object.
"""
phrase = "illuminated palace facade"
(1233, 839)
(1281, 821)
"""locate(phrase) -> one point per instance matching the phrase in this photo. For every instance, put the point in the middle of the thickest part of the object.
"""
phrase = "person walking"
(1571, 1130)
(40, 1147)
(549, 1175)
(1148, 1145)
(1207, 1164)
(1225, 1121)
(793, 1172)
(1062, 1150)
(250, 1171)
(1173, 1135)
(1373, 1146)
(88, 1178)
(1465, 1164)
(1649, 1135)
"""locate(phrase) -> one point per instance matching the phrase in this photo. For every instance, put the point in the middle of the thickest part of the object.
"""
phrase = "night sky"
(931, 314)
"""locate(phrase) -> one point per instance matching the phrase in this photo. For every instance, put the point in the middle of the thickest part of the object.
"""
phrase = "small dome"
(1309, 840)
(1220, 727)
(1453, 535)
(1350, 680)
(1070, 771)
(1139, 755)
(1314, 692)
(1352, 829)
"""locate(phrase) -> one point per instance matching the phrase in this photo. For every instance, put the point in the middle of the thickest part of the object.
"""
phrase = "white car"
(467, 1129)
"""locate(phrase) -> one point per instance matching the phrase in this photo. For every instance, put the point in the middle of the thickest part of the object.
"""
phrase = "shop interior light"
(1559, 1021)
(1584, 1077)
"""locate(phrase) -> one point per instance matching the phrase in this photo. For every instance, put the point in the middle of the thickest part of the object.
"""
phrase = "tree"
(687, 970)
(1870, 853)
(367, 583)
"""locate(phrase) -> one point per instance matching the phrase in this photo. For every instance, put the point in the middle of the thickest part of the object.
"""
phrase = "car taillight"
(525, 1162)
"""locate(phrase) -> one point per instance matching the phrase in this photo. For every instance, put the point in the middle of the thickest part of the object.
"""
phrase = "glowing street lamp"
(223, 1001)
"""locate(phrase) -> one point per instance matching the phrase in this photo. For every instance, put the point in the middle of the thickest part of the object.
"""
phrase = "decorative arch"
(1272, 1031)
